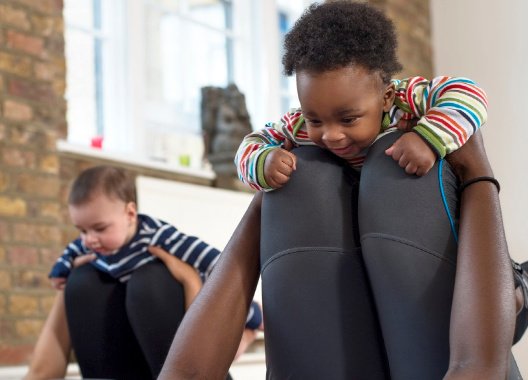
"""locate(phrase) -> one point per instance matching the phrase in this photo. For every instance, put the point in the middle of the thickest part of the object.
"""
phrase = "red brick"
(2, 255)
(51, 7)
(5, 280)
(19, 158)
(15, 355)
(17, 111)
(49, 256)
(45, 70)
(2, 131)
(24, 135)
(15, 64)
(28, 328)
(49, 164)
(39, 92)
(54, 47)
(22, 256)
(12, 206)
(23, 305)
(38, 185)
(49, 210)
(36, 234)
(4, 232)
(24, 42)
(7, 331)
(59, 86)
(28, 279)
(46, 302)
(14, 17)
(4, 181)
(44, 25)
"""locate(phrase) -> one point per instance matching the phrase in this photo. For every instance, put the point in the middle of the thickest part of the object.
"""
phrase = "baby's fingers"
(289, 159)
(278, 179)
(84, 259)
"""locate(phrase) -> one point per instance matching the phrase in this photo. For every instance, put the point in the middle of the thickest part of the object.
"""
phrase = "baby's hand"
(412, 153)
(278, 167)
(58, 282)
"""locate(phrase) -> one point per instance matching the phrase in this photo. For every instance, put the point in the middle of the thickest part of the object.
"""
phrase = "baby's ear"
(131, 209)
(388, 97)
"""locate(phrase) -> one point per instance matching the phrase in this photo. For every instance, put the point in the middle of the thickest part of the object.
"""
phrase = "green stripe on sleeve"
(260, 168)
(436, 142)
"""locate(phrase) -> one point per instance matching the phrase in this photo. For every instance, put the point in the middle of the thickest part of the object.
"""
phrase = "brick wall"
(412, 21)
(34, 176)
(32, 117)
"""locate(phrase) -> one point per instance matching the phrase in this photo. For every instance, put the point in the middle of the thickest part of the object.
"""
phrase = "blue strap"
(444, 201)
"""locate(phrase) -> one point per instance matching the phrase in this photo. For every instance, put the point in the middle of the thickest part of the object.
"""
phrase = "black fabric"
(410, 255)
(123, 330)
(321, 321)
(318, 311)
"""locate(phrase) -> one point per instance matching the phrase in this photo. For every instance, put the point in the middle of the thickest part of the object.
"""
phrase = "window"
(135, 69)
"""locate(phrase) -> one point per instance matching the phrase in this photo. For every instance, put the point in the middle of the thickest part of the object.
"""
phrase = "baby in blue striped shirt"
(118, 246)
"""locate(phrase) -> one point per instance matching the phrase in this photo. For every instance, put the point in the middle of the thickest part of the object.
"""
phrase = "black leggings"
(123, 330)
(323, 293)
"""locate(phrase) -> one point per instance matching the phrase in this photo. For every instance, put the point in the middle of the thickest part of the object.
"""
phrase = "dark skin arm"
(483, 313)
(221, 306)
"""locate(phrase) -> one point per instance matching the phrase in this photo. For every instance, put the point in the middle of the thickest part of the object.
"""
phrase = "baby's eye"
(313, 122)
(100, 229)
(348, 120)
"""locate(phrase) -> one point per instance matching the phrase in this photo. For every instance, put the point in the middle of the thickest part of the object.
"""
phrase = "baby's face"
(343, 108)
(105, 224)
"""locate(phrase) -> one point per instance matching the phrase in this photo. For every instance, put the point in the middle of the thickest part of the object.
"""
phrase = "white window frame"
(256, 61)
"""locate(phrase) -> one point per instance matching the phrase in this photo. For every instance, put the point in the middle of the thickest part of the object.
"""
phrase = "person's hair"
(337, 34)
(107, 180)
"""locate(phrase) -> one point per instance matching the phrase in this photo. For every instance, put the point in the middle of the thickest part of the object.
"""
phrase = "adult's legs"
(155, 305)
(102, 338)
(319, 314)
(410, 255)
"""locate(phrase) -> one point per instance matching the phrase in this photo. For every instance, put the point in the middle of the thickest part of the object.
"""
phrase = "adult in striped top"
(443, 113)
(125, 283)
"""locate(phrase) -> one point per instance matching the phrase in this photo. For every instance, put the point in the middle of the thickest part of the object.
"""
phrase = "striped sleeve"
(450, 110)
(254, 148)
(64, 264)
(190, 249)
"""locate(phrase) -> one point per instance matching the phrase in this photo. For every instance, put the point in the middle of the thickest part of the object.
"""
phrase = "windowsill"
(84, 151)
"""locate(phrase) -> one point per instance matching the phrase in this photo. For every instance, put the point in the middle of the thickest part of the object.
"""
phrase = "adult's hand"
(207, 339)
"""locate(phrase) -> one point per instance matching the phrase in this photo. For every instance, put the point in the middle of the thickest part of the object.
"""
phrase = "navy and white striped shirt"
(151, 231)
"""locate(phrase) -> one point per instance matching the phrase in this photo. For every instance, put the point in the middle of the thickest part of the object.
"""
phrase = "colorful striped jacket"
(449, 110)
(133, 255)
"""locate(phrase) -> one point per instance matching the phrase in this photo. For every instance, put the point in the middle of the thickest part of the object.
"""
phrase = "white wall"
(488, 41)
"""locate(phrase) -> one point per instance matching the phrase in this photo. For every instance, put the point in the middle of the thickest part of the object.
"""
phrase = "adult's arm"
(208, 337)
(483, 312)
(50, 355)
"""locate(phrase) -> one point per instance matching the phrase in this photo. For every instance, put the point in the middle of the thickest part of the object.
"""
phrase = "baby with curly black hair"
(344, 56)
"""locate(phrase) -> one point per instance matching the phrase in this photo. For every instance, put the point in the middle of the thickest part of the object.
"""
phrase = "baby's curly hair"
(341, 33)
